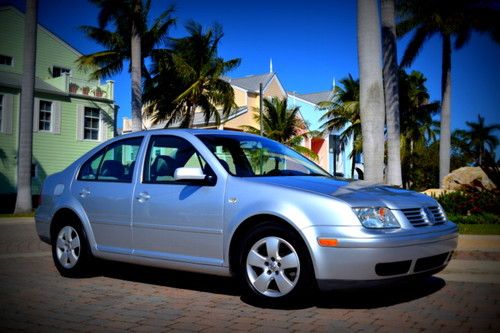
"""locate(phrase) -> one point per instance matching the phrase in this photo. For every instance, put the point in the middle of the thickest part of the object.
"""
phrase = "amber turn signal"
(330, 242)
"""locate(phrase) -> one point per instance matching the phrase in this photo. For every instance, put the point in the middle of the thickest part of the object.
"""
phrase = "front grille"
(419, 217)
(427, 263)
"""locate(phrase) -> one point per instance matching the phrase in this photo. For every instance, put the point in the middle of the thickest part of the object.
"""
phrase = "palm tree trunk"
(372, 110)
(391, 93)
(445, 136)
(25, 149)
(135, 73)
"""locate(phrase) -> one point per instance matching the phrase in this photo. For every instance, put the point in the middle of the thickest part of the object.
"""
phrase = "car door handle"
(143, 197)
(84, 192)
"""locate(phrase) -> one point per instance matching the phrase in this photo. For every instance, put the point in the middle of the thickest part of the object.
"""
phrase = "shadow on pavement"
(366, 298)
(169, 278)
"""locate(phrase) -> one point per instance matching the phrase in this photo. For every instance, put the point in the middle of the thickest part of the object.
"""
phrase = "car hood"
(356, 193)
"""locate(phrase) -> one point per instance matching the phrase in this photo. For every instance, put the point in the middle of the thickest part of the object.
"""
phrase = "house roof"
(14, 80)
(18, 11)
(251, 83)
(315, 98)
(199, 119)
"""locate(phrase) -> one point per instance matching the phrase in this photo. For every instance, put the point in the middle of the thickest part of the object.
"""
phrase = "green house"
(71, 115)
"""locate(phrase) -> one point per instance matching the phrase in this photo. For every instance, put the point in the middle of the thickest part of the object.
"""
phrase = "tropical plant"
(391, 91)
(131, 40)
(371, 94)
(481, 138)
(190, 77)
(282, 124)
(25, 146)
(450, 19)
(342, 114)
(417, 125)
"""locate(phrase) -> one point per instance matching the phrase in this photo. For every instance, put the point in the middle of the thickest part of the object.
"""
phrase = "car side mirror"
(189, 174)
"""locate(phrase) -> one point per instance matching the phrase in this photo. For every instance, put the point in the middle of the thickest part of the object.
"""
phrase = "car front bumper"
(366, 257)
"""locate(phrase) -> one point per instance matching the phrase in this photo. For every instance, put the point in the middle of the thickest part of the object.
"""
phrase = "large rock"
(467, 176)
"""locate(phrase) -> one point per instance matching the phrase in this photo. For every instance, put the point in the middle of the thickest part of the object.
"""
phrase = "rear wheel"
(70, 249)
(275, 264)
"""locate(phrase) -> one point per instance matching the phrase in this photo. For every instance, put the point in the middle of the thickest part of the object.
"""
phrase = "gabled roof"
(251, 83)
(46, 30)
(315, 98)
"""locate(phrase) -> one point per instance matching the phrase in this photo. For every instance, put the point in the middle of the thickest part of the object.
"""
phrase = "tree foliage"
(283, 124)
(189, 77)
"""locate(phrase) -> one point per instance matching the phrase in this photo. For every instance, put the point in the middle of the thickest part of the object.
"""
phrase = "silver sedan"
(230, 203)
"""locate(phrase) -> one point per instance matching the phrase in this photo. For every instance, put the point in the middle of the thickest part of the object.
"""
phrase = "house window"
(91, 123)
(44, 121)
(34, 170)
(6, 60)
(1, 110)
(59, 71)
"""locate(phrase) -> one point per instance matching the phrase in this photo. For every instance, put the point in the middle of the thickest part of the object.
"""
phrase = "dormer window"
(6, 60)
(59, 71)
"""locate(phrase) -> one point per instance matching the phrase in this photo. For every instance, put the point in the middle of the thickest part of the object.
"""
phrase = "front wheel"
(275, 264)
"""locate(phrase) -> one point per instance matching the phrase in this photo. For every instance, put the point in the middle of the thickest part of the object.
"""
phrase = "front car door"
(177, 220)
(104, 188)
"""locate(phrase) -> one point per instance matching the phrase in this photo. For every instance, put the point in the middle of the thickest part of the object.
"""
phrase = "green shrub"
(471, 202)
(482, 218)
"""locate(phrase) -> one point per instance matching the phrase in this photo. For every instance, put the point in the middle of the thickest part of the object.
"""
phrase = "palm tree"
(417, 126)
(190, 76)
(25, 148)
(282, 124)
(448, 19)
(391, 93)
(342, 113)
(481, 138)
(371, 96)
(131, 40)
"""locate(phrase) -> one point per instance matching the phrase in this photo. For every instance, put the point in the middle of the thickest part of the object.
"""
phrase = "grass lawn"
(479, 229)
(17, 215)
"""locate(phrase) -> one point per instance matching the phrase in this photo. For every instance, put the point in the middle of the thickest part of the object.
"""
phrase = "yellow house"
(246, 97)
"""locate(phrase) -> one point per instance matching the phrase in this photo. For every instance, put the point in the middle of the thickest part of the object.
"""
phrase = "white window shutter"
(56, 117)
(103, 126)
(7, 110)
(36, 114)
(79, 121)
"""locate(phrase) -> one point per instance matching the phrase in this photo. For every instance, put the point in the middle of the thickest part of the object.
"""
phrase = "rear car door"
(104, 188)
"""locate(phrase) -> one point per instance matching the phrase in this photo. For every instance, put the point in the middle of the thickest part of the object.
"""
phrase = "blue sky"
(310, 43)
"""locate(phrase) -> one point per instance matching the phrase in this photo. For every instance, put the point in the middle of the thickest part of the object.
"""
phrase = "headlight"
(376, 218)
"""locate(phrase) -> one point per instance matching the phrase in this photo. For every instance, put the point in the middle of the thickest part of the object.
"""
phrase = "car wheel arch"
(252, 222)
(66, 212)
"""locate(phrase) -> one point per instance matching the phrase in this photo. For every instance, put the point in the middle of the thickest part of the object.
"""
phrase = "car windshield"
(253, 156)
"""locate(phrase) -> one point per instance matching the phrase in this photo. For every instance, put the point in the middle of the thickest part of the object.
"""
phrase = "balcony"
(80, 87)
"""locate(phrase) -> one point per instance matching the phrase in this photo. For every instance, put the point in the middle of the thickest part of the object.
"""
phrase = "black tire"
(273, 267)
(78, 259)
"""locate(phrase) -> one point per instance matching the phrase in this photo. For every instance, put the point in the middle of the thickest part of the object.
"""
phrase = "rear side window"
(114, 163)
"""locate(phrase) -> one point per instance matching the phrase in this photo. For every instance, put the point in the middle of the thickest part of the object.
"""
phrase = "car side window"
(167, 153)
(114, 163)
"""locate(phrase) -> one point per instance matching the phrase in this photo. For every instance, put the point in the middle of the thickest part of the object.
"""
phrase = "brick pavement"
(33, 297)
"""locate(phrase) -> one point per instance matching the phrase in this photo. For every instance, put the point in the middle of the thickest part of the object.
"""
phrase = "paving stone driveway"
(33, 297)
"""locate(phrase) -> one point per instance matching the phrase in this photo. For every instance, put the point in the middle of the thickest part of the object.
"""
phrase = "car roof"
(193, 131)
